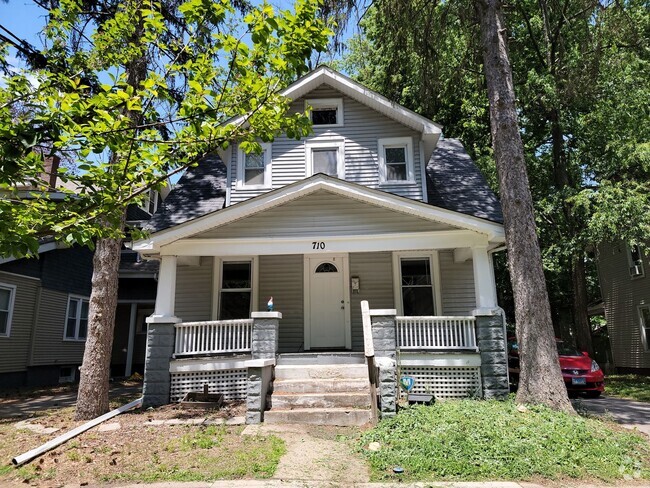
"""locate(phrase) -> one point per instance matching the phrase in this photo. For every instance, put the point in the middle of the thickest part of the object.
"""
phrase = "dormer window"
(396, 160)
(150, 204)
(254, 170)
(634, 261)
(325, 112)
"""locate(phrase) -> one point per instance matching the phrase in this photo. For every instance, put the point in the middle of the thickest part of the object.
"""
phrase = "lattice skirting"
(444, 382)
(231, 382)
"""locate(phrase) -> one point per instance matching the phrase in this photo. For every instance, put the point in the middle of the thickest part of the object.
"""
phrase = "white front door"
(327, 324)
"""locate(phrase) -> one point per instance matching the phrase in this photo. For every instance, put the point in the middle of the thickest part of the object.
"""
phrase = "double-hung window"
(327, 158)
(325, 112)
(236, 288)
(7, 296)
(396, 160)
(634, 261)
(417, 286)
(76, 323)
(644, 317)
(254, 169)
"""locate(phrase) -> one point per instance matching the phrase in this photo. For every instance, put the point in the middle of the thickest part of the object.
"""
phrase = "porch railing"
(213, 337)
(431, 333)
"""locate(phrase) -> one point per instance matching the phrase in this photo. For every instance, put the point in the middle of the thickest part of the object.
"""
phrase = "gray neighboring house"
(625, 288)
(374, 207)
(44, 311)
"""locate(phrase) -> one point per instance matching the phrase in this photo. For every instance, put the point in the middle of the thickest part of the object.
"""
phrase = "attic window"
(395, 160)
(254, 170)
(634, 261)
(325, 112)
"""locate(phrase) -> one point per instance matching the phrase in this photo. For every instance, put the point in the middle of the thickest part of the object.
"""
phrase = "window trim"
(434, 263)
(76, 338)
(632, 264)
(326, 103)
(267, 149)
(12, 299)
(337, 144)
(216, 281)
(645, 340)
(391, 142)
(147, 203)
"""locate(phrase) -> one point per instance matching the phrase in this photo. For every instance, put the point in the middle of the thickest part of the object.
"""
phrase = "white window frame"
(336, 103)
(147, 203)
(392, 142)
(267, 149)
(12, 298)
(635, 264)
(216, 282)
(434, 264)
(643, 327)
(337, 144)
(76, 338)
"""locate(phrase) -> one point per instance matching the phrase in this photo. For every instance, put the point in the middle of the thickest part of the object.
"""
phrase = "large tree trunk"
(92, 399)
(540, 380)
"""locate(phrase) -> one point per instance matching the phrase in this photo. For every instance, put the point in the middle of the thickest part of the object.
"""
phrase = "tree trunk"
(540, 380)
(580, 315)
(92, 399)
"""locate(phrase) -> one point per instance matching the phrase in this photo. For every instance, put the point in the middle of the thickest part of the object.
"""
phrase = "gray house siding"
(623, 295)
(457, 285)
(194, 291)
(281, 277)
(375, 272)
(361, 130)
(14, 350)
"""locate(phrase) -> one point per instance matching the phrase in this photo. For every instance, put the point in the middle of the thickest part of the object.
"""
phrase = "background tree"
(135, 92)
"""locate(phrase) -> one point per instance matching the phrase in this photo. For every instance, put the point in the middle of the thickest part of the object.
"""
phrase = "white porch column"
(166, 294)
(484, 286)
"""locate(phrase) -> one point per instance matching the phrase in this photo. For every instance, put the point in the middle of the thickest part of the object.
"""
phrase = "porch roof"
(310, 186)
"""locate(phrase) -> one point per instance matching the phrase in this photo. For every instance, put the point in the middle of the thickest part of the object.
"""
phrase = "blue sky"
(24, 19)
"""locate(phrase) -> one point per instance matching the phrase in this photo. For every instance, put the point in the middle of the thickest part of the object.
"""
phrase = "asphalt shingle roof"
(455, 183)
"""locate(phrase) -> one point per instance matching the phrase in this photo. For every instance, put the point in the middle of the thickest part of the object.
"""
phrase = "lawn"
(632, 386)
(490, 440)
(142, 450)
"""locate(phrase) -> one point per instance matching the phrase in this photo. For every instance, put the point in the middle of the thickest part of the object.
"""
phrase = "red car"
(581, 373)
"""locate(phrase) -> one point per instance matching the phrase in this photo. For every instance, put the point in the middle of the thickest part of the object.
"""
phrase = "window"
(254, 170)
(76, 324)
(325, 112)
(327, 158)
(7, 295)
(644, 315)
(416, 286)
(66, 374)
(396, 160)
(634, 261)
(150, 203)
(236, 290)
(327, 268)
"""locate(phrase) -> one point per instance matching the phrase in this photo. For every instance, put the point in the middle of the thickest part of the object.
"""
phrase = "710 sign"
(318, 245)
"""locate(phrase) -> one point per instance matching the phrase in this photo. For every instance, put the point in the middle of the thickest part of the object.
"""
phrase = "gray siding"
(49, 346)
(457, 285)
(282, 278)
(362, 128)
(623, 295)
(14, 350)
(324, 214)
(194, 291)
(375, 271)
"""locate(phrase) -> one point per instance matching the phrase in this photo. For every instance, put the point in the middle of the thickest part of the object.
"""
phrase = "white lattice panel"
(444, 382)
(231, 382)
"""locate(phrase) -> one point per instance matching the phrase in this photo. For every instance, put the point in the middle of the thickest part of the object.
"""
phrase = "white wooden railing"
(213, 337)
(436, 333)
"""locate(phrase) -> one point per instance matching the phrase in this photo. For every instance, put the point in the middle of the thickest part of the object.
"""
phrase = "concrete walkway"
(628, 413)
(20, 407)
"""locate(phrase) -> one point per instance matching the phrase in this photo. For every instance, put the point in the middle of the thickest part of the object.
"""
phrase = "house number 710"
(318, 245)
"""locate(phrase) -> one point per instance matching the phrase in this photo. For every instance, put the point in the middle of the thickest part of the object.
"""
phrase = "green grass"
(490, 440)
(632, 386)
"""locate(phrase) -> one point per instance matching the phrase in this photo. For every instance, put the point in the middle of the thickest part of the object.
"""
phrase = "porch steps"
(320, 390)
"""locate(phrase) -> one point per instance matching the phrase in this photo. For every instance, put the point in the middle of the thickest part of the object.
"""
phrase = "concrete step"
(312, 385)
(289, 401)
(306, 358)
(321, 371)
(319, 416)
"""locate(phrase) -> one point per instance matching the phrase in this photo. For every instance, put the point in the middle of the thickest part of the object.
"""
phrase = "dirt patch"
(164, 444)
(318, 453)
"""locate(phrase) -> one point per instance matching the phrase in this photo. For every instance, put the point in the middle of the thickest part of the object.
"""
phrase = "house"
(44, 311)
(625, 291)
(374, 206)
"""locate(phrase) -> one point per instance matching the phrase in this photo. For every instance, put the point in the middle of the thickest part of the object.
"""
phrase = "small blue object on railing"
(269, 305)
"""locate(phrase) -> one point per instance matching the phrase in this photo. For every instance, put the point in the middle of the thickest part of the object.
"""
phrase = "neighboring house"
(44, 311)
(625, 288)
(375, 206)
